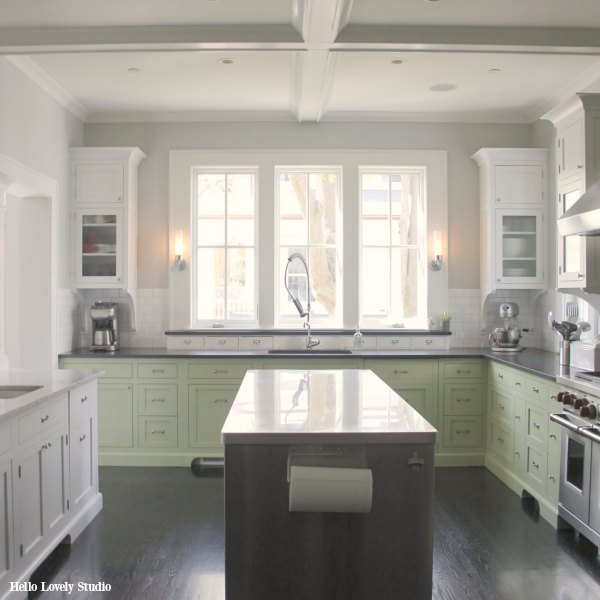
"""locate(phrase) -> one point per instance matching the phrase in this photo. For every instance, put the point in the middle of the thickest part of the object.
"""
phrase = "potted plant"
(445, 321)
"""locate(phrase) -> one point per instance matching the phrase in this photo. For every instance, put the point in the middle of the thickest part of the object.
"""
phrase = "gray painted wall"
(460, 140)
(35, 130)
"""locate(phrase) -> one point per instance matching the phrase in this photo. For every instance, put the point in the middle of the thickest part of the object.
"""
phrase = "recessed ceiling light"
(495, 71)
(226, 61)
(443, 87)
(398, 61)
(431, 0)
(133, 70)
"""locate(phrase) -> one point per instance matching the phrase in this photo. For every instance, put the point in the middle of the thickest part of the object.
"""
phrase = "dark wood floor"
(160, 537)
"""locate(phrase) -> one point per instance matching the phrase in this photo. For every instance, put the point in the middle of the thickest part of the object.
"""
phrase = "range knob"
(588, 411)
(568, 398)
(560, 396)
(579, 402)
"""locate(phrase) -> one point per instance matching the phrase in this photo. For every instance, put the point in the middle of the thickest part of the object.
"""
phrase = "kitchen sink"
(308, 352)
(14, 391)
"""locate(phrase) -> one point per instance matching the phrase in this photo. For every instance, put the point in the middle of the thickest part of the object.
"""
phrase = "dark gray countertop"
(532, 360)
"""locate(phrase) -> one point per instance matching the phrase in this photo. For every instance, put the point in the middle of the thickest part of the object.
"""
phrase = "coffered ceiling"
(306, 60)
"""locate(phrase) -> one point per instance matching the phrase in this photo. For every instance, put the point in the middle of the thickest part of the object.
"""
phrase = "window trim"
(226, 170)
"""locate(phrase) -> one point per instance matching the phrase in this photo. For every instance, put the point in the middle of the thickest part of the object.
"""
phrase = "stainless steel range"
(579, 491)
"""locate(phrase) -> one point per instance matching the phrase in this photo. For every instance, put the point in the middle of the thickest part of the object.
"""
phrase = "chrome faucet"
(311, 341)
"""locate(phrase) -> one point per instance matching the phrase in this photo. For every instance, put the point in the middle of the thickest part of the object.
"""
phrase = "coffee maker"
(506, 339)
(105, 333)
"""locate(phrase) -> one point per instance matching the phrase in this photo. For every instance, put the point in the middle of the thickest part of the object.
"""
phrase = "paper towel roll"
(322, 489)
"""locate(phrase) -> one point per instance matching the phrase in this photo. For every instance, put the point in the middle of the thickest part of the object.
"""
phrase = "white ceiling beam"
(319, 22)
(470, 39)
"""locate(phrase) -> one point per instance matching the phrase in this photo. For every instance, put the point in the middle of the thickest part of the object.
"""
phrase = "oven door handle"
(562, 420)
(585, 432)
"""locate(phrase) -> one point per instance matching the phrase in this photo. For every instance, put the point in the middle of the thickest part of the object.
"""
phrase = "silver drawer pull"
(158, 432)
(220, 401)
(429, 342)
(187, 342)
(458, 371)
(517, 453)
(221, 371)
(82, 437)
(221, 342)
(44, 447)
(395, 341)
(551, 478)
(400, 371)
(553, 397)
(536, 425)
(463, 431)
(256, 342)
(553, 436)
(518, 383)
(500, 406)
(501, 440)
(518, 417)
(44, 419)
(463, 399)
(536, 465)
(158, 370)
(84, 398)
(500, 376)
(158, 399)
(536, 390)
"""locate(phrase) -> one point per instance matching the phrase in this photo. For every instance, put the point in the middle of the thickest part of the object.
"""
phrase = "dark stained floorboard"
(160, 537)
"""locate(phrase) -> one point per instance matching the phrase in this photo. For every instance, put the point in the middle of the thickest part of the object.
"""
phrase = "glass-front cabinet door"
(99, 244)
(519, 246)
(571, 248)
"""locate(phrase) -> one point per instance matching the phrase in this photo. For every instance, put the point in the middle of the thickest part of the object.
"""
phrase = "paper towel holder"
(321, 454)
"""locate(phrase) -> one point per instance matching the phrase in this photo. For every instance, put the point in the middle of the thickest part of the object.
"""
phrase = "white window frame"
(222, 170)
(295, 322)
(181, 162)
(422, 239)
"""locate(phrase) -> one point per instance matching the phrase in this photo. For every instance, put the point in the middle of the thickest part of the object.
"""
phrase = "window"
(362, 219)
(223, 237)
(308, 203)
(393, 276)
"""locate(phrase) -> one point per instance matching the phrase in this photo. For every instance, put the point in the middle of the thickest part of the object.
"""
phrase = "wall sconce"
(179, 263)
(436, 263)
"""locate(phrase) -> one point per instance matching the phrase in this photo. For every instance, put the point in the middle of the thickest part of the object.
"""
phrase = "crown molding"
(189, 117)
(34, 72)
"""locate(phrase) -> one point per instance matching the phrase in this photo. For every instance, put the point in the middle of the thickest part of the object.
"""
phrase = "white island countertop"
(346, 406)
(49, 384)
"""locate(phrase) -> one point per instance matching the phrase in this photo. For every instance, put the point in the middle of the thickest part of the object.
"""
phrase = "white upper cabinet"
(104, 207)
(577, 167)
(99, 183)
(513, 198)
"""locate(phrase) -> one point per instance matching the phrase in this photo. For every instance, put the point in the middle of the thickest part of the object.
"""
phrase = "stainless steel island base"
(338, 420)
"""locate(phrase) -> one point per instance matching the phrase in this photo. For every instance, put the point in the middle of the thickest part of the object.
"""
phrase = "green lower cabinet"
(157, 432)
(208, 408)
(420, 396)
(552, 483)
(115, 415)
(537, 468)
(501, 442)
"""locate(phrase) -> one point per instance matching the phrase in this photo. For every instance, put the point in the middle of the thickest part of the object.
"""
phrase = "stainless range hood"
(583, 218)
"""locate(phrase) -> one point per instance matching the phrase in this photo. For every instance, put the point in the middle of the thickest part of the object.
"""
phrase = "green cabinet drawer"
(402, 369)
(554, 437)
(537, 425)
(463, 432)
(114, 369)
(157, 432)
(157, 399)
(536, 389)
(501, 442)
(500, 375)
(463, 398)
(218, 370)
(157, 371)
(420, 396)
(474, 370)
(503, 406)
(537, 468)
(553, 480)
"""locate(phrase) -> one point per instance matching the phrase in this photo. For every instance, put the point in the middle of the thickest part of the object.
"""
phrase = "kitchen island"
(328, 489)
